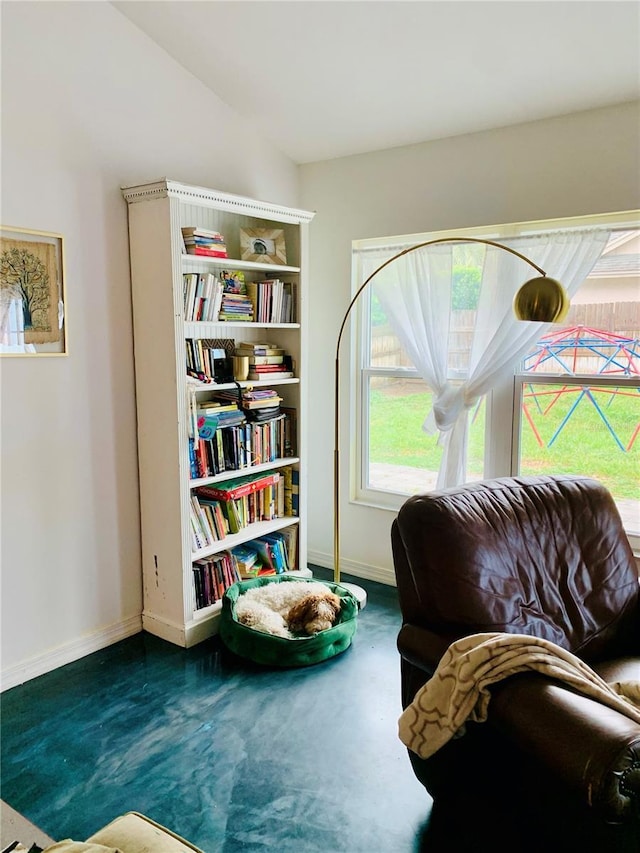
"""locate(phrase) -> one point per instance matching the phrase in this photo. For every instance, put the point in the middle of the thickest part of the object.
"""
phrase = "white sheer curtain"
(415, 293)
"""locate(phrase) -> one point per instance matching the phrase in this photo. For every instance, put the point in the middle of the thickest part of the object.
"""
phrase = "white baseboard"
(69, 652)
(366, 571)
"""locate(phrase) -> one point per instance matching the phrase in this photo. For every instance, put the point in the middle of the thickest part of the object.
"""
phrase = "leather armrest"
(593, 749)
(421, 647)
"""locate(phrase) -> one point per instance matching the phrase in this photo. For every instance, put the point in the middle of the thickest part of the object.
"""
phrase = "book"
(247, 561)
(265, 402)
(190, 281)
(191, 231)
(266, 368)
(212, 407)
(210, 253)
(230, 418)
(234, 282)
(263, 359)
(288, 490)
(265, 552)
(204, 243)
(290, 535)
(198, 240)
(237, 488)
(262, 415)
(290, 430)
(207, 306)
(252, 353)
(285, 374)
(295, 491)
(258, 393)
(266, 570)
(249, 347)
(235, 306)
(279, 551)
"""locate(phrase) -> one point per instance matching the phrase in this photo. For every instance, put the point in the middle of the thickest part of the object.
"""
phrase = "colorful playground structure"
(580, 350)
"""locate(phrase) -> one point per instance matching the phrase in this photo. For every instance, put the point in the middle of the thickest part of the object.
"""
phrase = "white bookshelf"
(157, 212)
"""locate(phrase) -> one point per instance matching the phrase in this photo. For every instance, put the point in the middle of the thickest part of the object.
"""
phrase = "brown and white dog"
(289, 608)
(314, 613)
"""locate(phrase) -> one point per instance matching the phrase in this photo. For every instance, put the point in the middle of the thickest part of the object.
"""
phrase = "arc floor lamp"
(541, 299)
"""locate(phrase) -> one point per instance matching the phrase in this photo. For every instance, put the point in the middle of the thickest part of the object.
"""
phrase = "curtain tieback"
(447, 408)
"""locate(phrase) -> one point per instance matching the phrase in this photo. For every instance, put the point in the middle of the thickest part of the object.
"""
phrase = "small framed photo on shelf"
(263, 245)
(32, 299)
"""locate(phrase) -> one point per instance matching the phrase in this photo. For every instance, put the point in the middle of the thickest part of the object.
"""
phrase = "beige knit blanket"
(458, 690)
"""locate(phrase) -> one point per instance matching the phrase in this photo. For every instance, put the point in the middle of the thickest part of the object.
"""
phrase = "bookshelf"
(157, 212)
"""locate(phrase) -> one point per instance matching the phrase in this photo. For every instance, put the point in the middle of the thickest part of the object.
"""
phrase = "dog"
(289, 609)
(314, 613)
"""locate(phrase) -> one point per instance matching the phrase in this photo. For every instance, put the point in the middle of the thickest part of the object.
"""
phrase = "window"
(571, 406)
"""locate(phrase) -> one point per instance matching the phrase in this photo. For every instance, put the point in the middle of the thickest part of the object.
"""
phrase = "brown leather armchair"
(548, 557)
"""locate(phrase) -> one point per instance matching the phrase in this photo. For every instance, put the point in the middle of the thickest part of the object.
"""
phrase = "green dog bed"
(283, 651)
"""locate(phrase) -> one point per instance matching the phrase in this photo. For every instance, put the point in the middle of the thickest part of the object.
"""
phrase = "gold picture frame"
(32, 299)
(263, 245)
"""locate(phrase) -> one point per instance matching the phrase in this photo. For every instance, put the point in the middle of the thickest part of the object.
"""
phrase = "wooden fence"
(620, 317)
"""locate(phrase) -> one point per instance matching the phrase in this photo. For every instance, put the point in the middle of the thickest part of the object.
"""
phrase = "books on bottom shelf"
(212, 576)
(271, 554)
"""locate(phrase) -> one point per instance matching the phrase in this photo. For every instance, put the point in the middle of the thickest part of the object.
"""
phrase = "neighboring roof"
(616, 265)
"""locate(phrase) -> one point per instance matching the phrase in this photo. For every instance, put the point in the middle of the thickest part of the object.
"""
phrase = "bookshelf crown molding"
(165, 188)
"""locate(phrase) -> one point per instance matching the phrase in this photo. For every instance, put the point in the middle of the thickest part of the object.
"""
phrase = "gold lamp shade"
(542, 300)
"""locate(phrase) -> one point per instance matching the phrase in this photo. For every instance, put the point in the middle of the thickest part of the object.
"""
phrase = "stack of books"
(262, 404)
(236, 304)
(272, 551)
(236, 307)
(258, 404)
(271, 554)
(212, 415)
(248, 562)
(266, 360)
(202, 241)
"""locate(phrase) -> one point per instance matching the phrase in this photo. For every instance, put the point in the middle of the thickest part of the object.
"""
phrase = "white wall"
(571, 166)
(89, 104)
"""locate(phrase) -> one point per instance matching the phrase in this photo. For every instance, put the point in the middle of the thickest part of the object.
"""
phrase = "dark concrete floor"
(228, 754)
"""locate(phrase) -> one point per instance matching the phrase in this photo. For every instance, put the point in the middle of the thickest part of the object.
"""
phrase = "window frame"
(503, 402)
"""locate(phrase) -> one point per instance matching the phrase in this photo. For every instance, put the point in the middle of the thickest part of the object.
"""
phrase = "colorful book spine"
(238, 489)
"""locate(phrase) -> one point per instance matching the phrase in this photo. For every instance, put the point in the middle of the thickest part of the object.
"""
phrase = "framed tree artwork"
(32, 300)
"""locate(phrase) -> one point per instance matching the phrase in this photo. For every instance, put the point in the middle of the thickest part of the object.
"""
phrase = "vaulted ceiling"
(323, 78)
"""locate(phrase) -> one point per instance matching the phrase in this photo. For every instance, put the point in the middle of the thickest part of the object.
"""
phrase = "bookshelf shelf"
(157, 213)
(253, 383)
(200, 330)
(252, 469)
(231, 264)
(253, 531)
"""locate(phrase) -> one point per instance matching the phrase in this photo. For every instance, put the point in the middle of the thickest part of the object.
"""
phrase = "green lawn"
(583, 446)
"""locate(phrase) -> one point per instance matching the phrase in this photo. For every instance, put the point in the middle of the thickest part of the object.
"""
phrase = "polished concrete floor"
(230, 755)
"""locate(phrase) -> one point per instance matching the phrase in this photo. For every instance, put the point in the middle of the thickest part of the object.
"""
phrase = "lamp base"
(358, 592)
